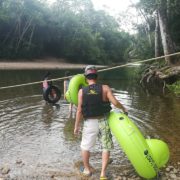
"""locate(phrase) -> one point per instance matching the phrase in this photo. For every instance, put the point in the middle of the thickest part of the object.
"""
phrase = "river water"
(37, 141)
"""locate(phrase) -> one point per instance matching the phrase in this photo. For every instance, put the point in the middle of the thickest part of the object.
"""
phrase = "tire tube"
(75, 84)
(48, 97)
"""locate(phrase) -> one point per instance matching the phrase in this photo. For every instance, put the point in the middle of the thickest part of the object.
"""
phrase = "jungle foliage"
(159, 33)
(70, 29)
(158, 36)
(75, 31)
(175, 87)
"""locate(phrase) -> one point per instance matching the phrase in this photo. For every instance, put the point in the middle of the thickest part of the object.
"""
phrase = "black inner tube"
(52, 94)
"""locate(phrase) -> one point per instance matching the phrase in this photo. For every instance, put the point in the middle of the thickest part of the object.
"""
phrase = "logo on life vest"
(91, 91)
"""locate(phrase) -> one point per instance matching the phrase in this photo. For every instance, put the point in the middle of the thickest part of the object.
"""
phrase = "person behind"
(94, 107)
(66, 85)
(46, 83)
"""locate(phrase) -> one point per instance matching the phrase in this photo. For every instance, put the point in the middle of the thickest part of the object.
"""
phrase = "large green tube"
(67, 95)
(134, 145)
(160, 151)
(75, 84)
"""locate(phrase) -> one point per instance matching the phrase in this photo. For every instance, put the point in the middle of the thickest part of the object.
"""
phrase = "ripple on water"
(42, 137)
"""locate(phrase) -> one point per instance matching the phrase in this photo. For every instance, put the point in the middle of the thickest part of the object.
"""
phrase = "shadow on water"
(37, 139)
(69, 130)
(48, 112)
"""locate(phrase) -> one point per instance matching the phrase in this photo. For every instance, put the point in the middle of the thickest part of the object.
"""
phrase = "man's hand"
(76, 131)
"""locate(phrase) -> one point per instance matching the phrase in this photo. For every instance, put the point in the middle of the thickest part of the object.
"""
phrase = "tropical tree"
(162, 11)
(69, 29)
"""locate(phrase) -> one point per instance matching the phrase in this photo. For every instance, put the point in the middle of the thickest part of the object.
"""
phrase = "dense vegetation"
(69, 29)
(75, 31)
(160, 37)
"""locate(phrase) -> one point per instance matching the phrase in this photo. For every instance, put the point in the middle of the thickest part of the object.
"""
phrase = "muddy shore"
(40, 64)
(113, 173)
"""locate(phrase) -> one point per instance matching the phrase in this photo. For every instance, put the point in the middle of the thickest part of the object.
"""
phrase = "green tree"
(70, 29)
(161, 12)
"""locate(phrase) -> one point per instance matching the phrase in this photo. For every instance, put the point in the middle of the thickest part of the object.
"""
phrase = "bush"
(175, 87)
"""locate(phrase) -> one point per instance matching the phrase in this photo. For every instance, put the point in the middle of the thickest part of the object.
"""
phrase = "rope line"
(32, 83)
(102, 70)
(146, 60)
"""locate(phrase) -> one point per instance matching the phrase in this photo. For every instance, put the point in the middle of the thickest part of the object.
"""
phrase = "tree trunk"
(147, 29)
(157, 36)
(31, 36)
(25, 29)
(167, 43)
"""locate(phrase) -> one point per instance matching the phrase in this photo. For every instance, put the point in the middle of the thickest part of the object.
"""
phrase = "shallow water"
(36, 139)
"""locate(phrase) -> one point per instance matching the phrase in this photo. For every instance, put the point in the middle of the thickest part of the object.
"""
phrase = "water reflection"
(48, 112)
(69, 130)
(41, 135)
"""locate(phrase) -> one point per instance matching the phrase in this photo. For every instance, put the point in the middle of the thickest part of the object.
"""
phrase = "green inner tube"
(146, 155)
(78, 81)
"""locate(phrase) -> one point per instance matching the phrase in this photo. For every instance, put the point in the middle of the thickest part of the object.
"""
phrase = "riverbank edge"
(41, 65)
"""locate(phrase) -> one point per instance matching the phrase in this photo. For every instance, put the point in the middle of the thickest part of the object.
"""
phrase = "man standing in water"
(94, 106)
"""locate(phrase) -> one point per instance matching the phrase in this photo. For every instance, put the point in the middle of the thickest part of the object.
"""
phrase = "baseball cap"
(90, 69)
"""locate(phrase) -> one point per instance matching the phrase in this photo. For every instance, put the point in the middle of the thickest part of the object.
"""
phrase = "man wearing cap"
(94, 106)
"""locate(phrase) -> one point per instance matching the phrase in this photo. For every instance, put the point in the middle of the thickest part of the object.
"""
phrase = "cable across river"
(101, 70)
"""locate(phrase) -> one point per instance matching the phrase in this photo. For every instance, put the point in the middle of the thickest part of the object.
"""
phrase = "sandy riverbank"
(40, 64)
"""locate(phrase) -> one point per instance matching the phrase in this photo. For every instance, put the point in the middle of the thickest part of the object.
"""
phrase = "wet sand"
(40, 64)
(114, 172)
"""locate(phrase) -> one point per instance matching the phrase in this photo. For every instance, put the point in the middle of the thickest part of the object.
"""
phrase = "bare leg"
(105, 160)
(85, 157)
(70, 110)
